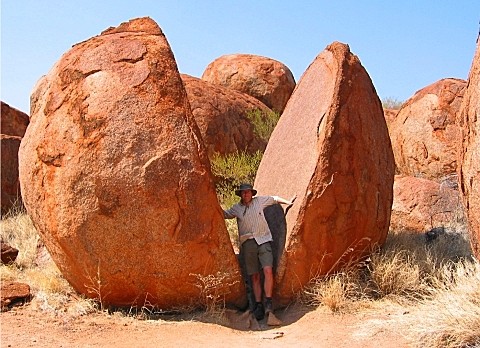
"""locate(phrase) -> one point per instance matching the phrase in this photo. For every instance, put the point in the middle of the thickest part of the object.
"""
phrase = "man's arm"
(228, 214)
(284, 201)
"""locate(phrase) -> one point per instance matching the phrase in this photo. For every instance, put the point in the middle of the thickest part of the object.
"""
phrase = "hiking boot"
(268, 306)
(259, 312)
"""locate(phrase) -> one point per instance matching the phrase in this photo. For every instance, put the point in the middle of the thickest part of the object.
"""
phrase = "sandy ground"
(302, 327)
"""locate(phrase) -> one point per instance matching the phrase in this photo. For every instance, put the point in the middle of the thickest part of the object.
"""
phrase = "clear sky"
(404, 45)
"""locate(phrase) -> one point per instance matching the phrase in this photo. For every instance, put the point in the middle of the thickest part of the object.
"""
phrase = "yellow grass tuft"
(437, 284)
(451, 318)
(17, 230)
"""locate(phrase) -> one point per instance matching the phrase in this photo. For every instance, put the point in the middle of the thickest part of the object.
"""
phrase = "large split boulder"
(421, 205)
(264, 78)
(117, 181)
(332, 150)
(425, 133)
(222, 115)
(13, 126)
(469, 168)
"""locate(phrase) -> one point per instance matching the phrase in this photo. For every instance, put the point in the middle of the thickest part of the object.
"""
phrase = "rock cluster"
(114, 166)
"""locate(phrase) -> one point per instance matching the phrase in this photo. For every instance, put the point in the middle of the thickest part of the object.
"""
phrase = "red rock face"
(331, 148)
(116, 180)
(221, 115)
(11, 195)
(425, 134)
(263, 78)
(421, 204)
(469, 169)
(390, 115)
(8, 253)
(12, 292)
(13, 124)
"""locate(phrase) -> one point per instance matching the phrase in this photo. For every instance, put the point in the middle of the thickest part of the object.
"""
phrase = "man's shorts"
(256, 255)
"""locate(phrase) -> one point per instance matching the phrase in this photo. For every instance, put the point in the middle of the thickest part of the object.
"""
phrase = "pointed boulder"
(332, 150)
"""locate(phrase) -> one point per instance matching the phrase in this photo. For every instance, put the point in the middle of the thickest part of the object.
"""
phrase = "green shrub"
(233, 169)
(263, 122)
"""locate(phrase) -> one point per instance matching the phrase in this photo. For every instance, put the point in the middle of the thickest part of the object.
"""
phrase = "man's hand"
(292, 200)
(289, 204)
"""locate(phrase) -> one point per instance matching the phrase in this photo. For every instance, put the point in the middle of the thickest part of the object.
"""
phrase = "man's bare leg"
(268, 285)
(257, 286)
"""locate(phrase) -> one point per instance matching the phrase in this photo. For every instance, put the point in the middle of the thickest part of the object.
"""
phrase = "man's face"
(246, 196)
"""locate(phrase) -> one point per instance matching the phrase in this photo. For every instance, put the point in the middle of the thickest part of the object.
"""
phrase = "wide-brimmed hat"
(244, 187)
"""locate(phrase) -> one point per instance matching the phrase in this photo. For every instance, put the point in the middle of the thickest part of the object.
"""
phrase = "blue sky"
(404, 45)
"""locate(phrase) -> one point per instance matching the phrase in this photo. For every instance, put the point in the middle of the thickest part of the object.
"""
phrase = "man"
(255, 242)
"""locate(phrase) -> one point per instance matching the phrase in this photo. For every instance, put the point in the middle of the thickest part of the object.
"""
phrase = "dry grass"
(51, 292)
(213, 289)
(18, 231)
(451, 317)
(437, 284)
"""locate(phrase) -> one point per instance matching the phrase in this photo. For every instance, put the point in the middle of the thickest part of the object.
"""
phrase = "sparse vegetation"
(263, 122)
(441, 289)
(213, 289)
(391, 103)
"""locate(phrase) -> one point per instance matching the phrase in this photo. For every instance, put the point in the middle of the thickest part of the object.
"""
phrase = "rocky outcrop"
(8, 253)
(332, 150)
(469, 168)
(116, 180)
(13, 121)
(13, 126)
(10, 185)
(222, 117)
(420, 205)
(263, 78)
(425, 133)
(12, 293)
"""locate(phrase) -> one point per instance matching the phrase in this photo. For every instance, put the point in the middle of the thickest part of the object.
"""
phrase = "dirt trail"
(27, 327)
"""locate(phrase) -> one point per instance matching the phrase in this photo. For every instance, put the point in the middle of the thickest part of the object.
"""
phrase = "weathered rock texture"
(390, 115)
(330, 148)
(221, 114)
(425, 133)
(13, 121)
(13, 292)
(469, 168)
(8, 253)
(13, 126)
(420, 205)
(264, 78)
(10, 185)
(116, 180)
